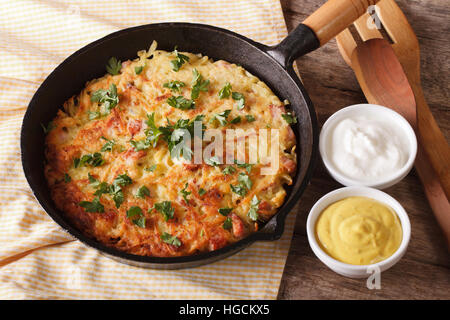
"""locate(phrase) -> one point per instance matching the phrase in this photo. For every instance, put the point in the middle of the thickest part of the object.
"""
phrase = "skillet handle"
(335, 16)
(320, 27)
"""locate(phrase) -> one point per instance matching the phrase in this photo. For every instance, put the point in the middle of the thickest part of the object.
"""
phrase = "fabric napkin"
(38, 260)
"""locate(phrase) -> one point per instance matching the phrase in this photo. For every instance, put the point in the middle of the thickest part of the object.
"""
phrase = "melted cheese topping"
(197, 224)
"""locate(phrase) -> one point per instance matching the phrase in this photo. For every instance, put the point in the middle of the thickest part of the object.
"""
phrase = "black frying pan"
(273, 65)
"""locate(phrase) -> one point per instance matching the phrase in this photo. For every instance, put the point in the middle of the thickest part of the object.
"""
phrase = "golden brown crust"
(196, 223)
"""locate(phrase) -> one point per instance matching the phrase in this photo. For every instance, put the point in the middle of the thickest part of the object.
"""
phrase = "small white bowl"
(383, 113)
(350, 270)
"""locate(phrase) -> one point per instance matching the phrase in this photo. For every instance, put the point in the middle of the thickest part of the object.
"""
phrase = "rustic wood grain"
(424, 272)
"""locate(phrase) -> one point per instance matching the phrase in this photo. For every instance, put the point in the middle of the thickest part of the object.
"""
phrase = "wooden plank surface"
(424, 272)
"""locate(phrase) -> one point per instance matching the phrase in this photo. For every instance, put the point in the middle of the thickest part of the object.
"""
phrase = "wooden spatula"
(389, 75)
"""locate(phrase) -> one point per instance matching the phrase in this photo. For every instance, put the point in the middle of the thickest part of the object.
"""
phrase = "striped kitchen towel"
(38, 260)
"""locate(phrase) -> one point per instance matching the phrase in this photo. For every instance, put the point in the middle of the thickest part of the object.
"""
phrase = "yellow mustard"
(359, 230)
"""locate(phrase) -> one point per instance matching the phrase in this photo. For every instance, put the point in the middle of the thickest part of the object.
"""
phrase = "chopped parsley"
(253, 212)
(153, 133)
(92, 206)
(175, 85)
(113, 67)
(93, 160)
(239, 190)
(236, 120)
(185, 193)
(244, 185)
(198, 84)
(289, 118)
(116, 188)
(152, 168)
(140, 144)
(201, 192)
(67, 178)
(50, 126)
(213, 161)
(181, 102)
(250, 118)
(108, 146)
(138, 69)
(245, 180)
(166, 209)
(92, 115)
(221, 117)
(225, 211)
(229, 170)
(247, 166)
(143, 192)
(174, 136)
(169, 239)
(225, 91)
(76, 162)
(239, 97)
(135, 211)
(108, 98)
(122, 180)
(227, 224)
(180, 59)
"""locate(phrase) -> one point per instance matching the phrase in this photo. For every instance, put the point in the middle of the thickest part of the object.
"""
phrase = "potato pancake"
(119, 169)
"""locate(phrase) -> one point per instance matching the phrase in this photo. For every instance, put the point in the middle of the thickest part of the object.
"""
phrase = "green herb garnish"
(180, 59)
(181, 102)
(246, 166)
(166, 209)
(175, 85)
(229, 170)
(93, 206)
(289, 118)
(94, 160)
(136, 211)
(138, 69)
(168, 238)
(185, 193)
(236, 120)
(239, 97)
(92, 115)
(50, 126)
(227, 224)
(143, 192)
(245, 180)
(225, 211)
(221, 117)
(225, 91)
(67, 178)
(213, 161)
(250, 118)
(239, 190)
(108, 98)
(198, 84)
(113, 67)
(201, 192)
(253, 212)
(152, 168)
(108, 146)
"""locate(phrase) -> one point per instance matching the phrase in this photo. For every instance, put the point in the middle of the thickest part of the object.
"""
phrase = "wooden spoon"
(384, 82)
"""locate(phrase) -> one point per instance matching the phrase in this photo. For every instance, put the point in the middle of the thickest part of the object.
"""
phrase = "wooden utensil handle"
(433, 141)
(434, 193)
(334, 16)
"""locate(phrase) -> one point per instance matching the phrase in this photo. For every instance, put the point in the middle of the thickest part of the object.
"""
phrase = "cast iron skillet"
(273, 65)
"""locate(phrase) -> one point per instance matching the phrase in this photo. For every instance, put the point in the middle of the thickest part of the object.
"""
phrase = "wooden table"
(424, 272)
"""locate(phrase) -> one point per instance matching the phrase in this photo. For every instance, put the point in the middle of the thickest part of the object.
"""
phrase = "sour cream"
(367, 144)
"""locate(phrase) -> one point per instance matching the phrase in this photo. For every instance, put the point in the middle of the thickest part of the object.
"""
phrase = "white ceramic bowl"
(350, 270)
(383, 113)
